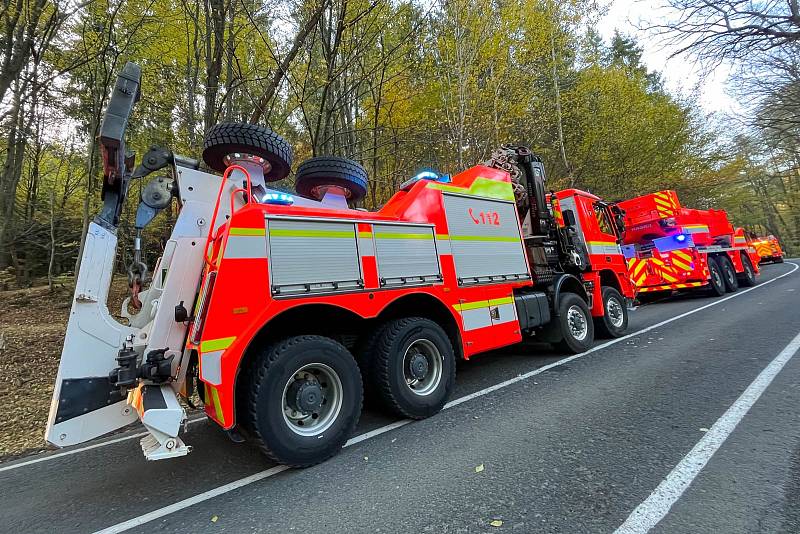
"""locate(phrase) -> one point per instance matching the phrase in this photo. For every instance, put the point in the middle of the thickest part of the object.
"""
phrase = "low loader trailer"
(672, 248)
(281, 310)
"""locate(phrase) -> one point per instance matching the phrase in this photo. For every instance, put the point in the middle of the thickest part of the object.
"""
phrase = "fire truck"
(281, 309)
(669, 247)
(768, 249)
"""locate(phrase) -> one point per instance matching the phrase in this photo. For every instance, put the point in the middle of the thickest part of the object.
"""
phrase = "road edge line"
(661, 500)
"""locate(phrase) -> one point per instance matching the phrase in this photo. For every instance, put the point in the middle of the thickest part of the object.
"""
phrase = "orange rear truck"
(768, 249)
(279, 309)
(669, 247)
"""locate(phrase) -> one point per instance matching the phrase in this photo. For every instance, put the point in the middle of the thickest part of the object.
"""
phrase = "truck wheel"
(304, 400)
(316, 173)
(728, 273)
(748, 277)
(413, 367)
(716, 282)
(575, 324)
(614, 321)
(232, 137)
(779, 259)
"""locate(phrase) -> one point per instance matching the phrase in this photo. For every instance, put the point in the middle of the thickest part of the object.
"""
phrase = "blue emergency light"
(282, 199)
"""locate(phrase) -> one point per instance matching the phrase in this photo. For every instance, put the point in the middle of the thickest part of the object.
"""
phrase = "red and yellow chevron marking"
(681, 260)
(763, 249)
(665, 204)
(637, 270)
(668, 287)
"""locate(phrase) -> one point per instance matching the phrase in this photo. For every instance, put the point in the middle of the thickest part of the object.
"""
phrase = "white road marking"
(658, 504)
(236, 484)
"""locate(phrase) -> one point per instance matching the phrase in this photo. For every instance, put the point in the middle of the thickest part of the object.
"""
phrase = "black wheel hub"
(304, 396)
(418, 366)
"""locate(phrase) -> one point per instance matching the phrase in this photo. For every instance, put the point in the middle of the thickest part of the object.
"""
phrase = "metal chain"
(137, 271)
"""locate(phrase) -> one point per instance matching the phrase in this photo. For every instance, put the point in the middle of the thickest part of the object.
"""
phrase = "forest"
(397, 86)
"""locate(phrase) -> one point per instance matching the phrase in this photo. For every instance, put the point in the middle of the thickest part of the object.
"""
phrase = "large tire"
(748, 277)
(304, 400)
(716, 280)
(778, 259)
(404, 347)
(331, 170)
(614, 321)
(572, 309)
(728, 273)
(231, 137)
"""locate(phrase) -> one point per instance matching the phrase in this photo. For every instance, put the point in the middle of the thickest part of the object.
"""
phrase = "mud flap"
(85, 404)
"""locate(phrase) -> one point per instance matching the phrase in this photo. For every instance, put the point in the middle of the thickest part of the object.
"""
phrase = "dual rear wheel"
(304, 393)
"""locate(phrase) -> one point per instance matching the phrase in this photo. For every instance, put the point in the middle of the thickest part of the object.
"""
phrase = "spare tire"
(322, 171)
(231, 137)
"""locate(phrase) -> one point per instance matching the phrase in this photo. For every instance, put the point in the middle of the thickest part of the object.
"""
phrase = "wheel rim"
(312, 399)
(616, 315)
(576, 322)
(422, 367)
(729, 272)
(716, 276)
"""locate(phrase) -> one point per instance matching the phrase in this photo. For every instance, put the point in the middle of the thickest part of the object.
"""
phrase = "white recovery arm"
(86, 403)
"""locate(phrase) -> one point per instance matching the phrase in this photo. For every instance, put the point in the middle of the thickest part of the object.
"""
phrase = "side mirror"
(569, 218)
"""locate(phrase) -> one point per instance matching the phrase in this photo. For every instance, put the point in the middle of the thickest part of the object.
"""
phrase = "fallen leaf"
(703, 429)
(496, 523)
(366, 457)
(214, 518)
(479, 468)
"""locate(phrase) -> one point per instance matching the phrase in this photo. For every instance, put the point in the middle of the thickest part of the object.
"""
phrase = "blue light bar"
(281, 199)
(673, 242)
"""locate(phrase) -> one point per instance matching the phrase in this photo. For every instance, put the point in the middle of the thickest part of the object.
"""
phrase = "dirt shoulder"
(32, 326)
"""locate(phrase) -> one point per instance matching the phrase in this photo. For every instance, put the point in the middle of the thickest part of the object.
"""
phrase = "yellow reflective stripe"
(442, 236)
(247, 231)
(481, 187)
(471, 305)
(386, 235)
(365, 234)
(280, 232)
(483, 238)
(682, 255)
(478, 304)
(680, 264)
(612, 243)
(212, 392)
(216, 344)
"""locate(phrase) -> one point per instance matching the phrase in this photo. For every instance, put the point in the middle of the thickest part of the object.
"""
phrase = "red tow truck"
(280, 309)
(669, 247)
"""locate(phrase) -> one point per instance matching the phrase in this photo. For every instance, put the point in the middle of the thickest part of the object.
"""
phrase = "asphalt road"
(566, 446)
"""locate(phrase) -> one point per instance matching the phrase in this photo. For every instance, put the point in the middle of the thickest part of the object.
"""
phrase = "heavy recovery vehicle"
(672, 248)
(768, 249)
(279, 309)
